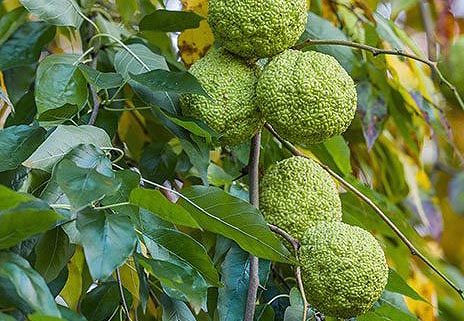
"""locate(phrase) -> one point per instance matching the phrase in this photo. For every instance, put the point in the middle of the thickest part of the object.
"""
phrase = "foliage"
(114, 205)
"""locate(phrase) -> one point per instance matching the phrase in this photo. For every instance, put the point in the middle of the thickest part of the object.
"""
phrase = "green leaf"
(390, 307)
(63, 139)
(70, 315)
(398, 285)
(335, 153)
(170, 81)
(175, 310)
(100, 303)
(17, 143)
(183, 249)
(129, 181)
(170, 21)
(10, 22)
(55, 12)
(126, 63)
(41, 317)
(265, 312)
(6, 317)
(295, 311)
(28, 283)
(179, 281)
(198, 152)
(235, 276)
(101, 80)
(61, 88)
(83, 186)
(221, 213)
(157, 203)
(25, 45)
(53, 251)
(108, 240)
(22, 216)
(320, 28)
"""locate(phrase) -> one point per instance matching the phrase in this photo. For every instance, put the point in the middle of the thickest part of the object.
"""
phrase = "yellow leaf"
(130, 280)
(11, 4)
(131, 129)
(66, 40)
(5, 110)
(72, 290)
(423, 310)
(194, 43)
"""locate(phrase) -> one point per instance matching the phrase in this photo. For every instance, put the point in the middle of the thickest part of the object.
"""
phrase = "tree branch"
(296, 246)
(378, 51)
(253, 179)
(369, 202)
(121, 292)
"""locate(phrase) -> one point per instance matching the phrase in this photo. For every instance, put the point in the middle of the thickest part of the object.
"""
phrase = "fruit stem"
(253, 183)
(378, 51)
(414, 251)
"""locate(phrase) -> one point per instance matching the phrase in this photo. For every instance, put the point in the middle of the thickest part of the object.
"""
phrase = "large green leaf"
(390, 307)
(130, 62)
(25, 45)
(63, 139)
(28, 283)
(55, 12)
(221, 213)
(61, 88)
(170, 21)
(83, 186)
(179, 82)
(17, 143)
(320, 28)
(22, 216)
(53, 251)
(398, 285)
(101, 80)
(157, 203)
(108, 240)
(180, 248)
(334, 152)
(129, 181)
(180, 282)
(10, 22)
(174, 310)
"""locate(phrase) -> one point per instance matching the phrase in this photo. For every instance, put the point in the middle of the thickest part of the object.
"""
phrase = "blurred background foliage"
(405, 149)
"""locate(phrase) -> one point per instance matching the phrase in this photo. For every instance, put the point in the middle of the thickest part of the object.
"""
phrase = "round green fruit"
(231, 83)
(296, 193)
(257, 29)
(344, 269)
(306, 96)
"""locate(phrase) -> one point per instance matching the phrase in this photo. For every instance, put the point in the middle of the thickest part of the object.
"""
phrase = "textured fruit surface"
(231, 83)
(296, 193)
(344, 269)
(251, 28)
(306, 96)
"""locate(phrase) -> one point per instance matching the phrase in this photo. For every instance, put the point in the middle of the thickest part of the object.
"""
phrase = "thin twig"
(253, 182)
(369, 202)
(296, 247)
(378, 51)
(96, 103)
(429, 29)
(121, 292)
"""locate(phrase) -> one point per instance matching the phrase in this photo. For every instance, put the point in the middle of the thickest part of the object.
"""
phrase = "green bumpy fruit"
(306, 96)
(297, 193)
(231, 83)
(257, 29)
(450, 65)
(344, 269)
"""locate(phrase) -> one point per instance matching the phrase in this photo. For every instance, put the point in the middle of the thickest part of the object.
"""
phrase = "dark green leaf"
(174, 310)
(221, 213)
(63, 140)
(6, 317)
(100, 303)
(235, 276)
(108, 241)
(53, 251)
(55, 12)
(170, 21)
(129, 181)
(10, 22)
(17, 143)
(320, 28)
(83, 186)
(390, 307)
(180, 282)
(198, 153)
(158, 204)
(101, 80)
(61, 88)
(335, 153)
(170, 81)
(398, 285)
(265, 312)
(181, 248)
(42, 317)
(70, 315)
(28, 283)
(25, 45)
(22, 216)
